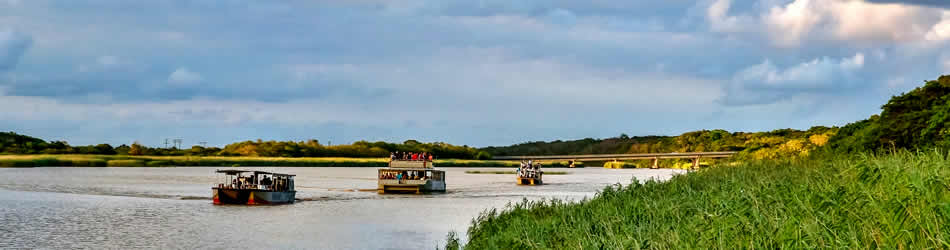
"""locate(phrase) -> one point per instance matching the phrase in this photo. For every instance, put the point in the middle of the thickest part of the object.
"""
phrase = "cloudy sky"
(475, 72)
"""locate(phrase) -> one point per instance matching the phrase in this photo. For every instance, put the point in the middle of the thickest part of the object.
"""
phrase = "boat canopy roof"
(411, 164)
(416, 169)
(237, 171)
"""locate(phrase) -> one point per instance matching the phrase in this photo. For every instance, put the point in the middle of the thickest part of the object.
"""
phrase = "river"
(338, 208)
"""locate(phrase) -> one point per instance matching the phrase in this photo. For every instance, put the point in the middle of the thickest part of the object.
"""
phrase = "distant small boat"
(247, 187)
(530, 174)
(410, 177)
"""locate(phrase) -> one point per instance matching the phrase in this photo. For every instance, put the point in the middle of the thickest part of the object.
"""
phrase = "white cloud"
(853, 20)
(813, 74)
(789, 24)
(941, 30)
(719, 19)
(184, 76)
(767, 83)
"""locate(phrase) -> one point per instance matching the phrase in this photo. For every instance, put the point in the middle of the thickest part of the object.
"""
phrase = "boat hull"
(252, 196)
(393, 186)
(529, 181)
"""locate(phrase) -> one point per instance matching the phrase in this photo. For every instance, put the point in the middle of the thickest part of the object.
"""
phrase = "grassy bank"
(164, 161)
(897, 201)
(511, 172)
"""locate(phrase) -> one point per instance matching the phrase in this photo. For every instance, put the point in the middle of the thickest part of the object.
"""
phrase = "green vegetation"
(222, 161)
(775, 144)
(15, 144)
(917, 119)
(883, 182)
(511, 172)
(894, 201)
(674, 164)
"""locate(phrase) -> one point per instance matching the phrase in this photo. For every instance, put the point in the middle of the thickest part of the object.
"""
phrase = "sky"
(466, 72)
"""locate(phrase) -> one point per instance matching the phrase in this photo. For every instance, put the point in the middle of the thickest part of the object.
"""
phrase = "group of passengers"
(529, 170)
(410, 156)
(407, 175)
(249, 183)
(242, 182)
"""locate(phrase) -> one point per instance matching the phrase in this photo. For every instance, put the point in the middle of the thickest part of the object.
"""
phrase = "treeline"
(313, 148)
(13, 143)
(914, 120)
(758, 145)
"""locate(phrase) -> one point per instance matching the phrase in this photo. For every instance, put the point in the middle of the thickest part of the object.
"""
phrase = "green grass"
(125, 163)
(221, 161)
(511, 172)
(897, 201)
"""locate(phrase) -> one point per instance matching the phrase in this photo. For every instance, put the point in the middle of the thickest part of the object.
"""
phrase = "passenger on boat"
(266, 181)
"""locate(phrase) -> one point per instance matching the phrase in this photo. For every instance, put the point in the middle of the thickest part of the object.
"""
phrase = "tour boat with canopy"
(530, 173)
(249, 187)
(411, 176)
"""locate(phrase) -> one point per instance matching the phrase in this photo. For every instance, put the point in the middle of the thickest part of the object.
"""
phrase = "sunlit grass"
(898, 201)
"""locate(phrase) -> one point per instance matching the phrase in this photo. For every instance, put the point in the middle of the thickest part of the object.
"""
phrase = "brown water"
(170, 208)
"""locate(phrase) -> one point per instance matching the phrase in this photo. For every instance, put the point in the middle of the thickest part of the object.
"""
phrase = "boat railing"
(530, 173)
(248, 186)
(398, 182)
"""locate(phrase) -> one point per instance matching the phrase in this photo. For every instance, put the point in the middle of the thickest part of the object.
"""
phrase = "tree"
(137, 149)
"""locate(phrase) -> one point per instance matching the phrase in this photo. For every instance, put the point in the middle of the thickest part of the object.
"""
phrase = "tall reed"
(894, 201)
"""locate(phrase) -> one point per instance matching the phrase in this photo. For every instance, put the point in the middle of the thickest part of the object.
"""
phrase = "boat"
(530, 174)
(408, 176)
(247, 187)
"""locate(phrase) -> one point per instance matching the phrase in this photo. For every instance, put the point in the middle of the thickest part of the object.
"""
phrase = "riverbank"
(511, 172)
(226, 161)
(898, 201)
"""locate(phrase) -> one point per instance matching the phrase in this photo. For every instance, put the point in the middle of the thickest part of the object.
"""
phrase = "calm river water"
(170, 208)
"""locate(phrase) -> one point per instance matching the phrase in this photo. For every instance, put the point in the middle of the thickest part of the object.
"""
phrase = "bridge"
(616, 157)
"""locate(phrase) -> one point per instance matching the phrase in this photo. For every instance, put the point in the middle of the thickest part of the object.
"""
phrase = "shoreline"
(27, 161)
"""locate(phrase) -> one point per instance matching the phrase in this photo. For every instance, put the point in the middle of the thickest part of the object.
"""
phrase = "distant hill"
(772, 144)
(11, 142)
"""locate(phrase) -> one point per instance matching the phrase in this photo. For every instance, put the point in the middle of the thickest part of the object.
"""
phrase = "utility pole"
(166, 143)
